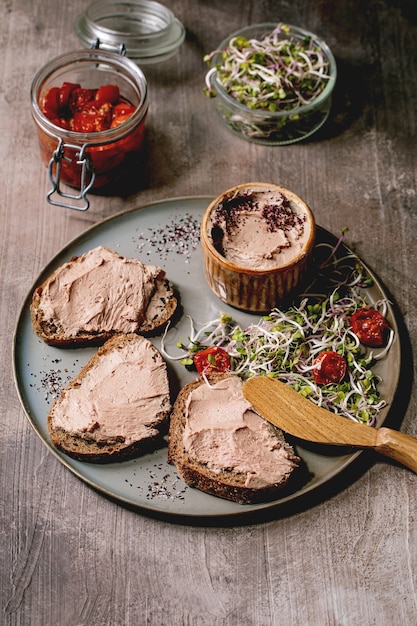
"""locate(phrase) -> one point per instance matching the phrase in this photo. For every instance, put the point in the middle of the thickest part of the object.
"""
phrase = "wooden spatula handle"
(397, 446)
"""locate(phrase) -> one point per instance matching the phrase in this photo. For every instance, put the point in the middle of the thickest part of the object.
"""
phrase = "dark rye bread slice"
(114, 447)
(160, 309)
(222, 483)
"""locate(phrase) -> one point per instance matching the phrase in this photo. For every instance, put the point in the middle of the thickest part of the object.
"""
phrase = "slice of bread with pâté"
(117, 407)
(98, 294)
(221, 446)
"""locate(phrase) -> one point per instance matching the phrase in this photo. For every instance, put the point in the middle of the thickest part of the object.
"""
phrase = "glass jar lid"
(145, 30)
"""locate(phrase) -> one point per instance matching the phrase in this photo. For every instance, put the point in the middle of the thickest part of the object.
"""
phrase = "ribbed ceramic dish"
(255, 290)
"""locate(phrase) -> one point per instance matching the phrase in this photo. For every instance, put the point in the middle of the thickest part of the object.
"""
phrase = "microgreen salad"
(275, 73)
(287, 344)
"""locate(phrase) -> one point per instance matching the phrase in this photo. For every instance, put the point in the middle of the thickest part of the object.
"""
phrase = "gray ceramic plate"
(166, 234)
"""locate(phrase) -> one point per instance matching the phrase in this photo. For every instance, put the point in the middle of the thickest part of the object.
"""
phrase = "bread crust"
(224, 484)
(161, 308)
(84, 449)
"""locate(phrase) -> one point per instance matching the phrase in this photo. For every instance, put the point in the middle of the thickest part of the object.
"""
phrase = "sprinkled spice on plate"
(52, 381)
(165, 487)
(180, 236)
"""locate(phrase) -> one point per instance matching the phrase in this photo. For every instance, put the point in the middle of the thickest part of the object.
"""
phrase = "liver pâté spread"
(118, 399)
(100, 291)
(259, 229)
(224, 432)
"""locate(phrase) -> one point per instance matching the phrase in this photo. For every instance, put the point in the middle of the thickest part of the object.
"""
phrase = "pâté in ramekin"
(257, 240)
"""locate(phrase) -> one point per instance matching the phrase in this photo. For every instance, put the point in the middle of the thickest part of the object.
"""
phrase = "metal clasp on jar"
(101, 45)
(86, 181)
(87, 169)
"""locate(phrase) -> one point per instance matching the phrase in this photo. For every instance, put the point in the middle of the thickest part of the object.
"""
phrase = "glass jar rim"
(146, 29)
(269, 27)
(95, 56)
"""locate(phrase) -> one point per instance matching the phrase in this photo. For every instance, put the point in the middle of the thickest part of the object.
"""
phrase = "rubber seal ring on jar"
(87, 170)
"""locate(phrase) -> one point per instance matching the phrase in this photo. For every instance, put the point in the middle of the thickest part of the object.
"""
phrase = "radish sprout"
(274, 73)
(285, 343)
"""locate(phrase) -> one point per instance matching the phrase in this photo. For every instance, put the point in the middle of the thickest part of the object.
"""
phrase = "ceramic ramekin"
(251, 218)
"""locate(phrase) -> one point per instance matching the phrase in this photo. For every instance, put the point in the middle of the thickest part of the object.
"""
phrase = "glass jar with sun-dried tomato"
(89, 108)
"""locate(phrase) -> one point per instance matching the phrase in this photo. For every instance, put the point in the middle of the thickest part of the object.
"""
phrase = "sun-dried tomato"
(213, 360)
(329, 367)
(370, 326)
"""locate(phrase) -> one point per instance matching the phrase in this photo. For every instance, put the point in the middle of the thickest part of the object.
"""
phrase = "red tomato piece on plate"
(370, 326)
(329, 367)
(213, 360)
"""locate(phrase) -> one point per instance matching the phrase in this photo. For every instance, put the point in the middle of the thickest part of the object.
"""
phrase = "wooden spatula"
(291, 412)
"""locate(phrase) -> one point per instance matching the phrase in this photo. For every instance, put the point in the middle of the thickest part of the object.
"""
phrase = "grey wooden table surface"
(346, 556)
